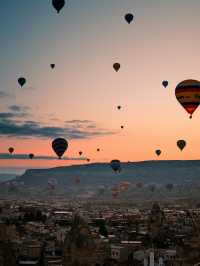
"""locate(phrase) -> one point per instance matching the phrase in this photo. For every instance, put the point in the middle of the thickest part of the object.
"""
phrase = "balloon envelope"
(165, 83)
(139, 185)
(115, 165)
(129, 18)
(21, 81)
(80, 153)
(58, 4)
(169, 187)
(11, 150)
(52, 66)
(31, 155)
(77, 180)
(158, 152)
(188, 95)
(59, 146)
(181, 144)
(116, 66)
(115, 194)
(152, 188)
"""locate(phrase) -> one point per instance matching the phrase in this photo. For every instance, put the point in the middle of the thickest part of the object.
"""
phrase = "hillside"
(161, 172)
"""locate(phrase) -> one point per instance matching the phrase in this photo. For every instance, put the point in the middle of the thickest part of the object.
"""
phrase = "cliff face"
(162, 172)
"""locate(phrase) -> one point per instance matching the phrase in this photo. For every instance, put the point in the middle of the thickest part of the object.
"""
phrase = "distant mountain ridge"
(95, 174)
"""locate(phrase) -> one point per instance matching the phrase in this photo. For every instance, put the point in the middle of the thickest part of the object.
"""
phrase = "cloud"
(7, 156)
(17, 108)
(14, 124)
(9, 117)
(76, 121)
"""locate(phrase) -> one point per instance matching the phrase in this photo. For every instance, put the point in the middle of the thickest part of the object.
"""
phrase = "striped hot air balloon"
(59, 146)
(188, 95)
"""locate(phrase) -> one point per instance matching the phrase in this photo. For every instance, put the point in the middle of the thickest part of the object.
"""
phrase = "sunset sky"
(78, 99)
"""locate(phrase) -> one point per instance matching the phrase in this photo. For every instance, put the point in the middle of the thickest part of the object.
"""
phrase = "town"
(85, 233)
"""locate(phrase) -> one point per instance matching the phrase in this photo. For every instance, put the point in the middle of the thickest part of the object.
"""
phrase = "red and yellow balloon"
(188, 95)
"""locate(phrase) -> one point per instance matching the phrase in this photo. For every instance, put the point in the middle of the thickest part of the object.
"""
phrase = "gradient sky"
(84, 41)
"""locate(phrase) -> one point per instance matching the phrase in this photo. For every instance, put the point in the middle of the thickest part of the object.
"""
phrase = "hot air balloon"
(88, 160)
(152, 187)
(52, 182)
(59, 146)
(188, 95)
(122, 127)
(158, 152)
(169, 187)
(98, 149)
(129, 18)
(101, 190)
(115, 194)
(119, 107)
(58, 4)
(21, 81)
(11, 150)
(124, 185)
(139, 185)
(77, 180)
(181, 144)
(80, 153)
(52, 66)
(165, 83)
(31, 155)
(116, 66)
(115, 165)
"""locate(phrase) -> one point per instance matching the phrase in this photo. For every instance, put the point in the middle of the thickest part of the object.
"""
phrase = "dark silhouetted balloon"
(11, 150)
(115, 165)
(169, 187)
(59, 146)
(152, 188)
(158, 152)
(52, 66)
(31, 155)
(129, 18)
(122, 127)
(165, 83)
(21, 81)
(139, 185)
(80, 153)
(181, 144)
(101, 189)
(77, 180)
(88, 160)
(119, 107)
(58, 4)
(98, 149)
(188, 95)
(116, 66)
